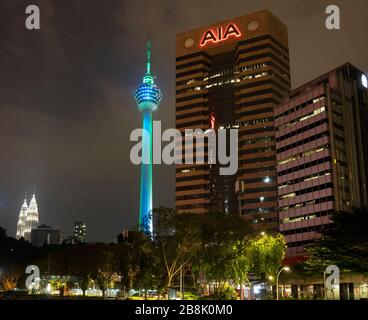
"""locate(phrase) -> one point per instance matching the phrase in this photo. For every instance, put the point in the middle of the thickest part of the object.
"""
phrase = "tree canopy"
(344, 243)
(211, 248)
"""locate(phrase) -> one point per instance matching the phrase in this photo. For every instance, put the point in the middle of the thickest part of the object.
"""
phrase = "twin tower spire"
(28, 219)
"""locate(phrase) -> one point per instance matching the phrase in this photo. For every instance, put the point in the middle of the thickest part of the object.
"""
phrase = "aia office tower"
(233, 74)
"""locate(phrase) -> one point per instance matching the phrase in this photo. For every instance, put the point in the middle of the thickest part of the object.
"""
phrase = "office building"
(45, 235)
(28, 219)
(232, 75)
(322, 154)
(79, 233)
(21, 225)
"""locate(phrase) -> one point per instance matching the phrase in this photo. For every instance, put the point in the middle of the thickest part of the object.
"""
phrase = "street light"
(270, 279)
(287, 269)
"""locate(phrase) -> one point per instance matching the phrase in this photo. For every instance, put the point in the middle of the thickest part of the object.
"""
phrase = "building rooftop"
(321, 78)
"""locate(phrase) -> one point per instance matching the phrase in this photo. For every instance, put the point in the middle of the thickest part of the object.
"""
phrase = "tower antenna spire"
(148, 57)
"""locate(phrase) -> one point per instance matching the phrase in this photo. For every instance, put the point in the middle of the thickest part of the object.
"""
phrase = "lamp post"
(324, 285)
(277, 280)
(269, 288)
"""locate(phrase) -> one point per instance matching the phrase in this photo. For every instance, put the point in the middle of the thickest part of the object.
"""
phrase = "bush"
(228, 293)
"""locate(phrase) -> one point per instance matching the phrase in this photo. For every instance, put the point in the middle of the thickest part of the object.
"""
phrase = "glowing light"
(364, 81)
(267, 180)
(213, 121)
(257, 289)
(211, 36)
(145, 221)
(148, 97)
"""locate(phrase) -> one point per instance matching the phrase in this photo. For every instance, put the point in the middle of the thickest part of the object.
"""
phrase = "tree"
(137, 258)
(9, 279)
(343, 243)
(241, 263)
(266, 254)
(2, 233)
(106, 264)
(221, 255)
(177, 239)
(83, 262)
(15, 253)
(85, 283)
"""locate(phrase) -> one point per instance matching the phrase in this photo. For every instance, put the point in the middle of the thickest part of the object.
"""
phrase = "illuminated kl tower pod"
(148, 97)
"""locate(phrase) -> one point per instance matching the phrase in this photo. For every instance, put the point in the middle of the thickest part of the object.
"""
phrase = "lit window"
(288, 196)
(319, 99)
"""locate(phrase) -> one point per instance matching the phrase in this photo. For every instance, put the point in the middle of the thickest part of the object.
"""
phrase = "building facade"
(21, 225)
(32, 218)
(232, 75)
(45, 235)
(79, 232)
(322, 154)
(28, 219)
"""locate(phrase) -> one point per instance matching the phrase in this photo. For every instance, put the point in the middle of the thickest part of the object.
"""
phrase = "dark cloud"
(66, 106)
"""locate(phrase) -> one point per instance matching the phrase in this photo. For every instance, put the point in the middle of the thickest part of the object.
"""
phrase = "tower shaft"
(145, 221)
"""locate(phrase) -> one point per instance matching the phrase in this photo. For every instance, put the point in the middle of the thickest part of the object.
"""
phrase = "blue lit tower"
(148, 97)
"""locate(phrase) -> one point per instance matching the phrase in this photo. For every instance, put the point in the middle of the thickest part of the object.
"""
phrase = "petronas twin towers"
(28, 219)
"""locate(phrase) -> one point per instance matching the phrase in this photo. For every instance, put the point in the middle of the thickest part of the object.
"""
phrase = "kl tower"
(148, 97)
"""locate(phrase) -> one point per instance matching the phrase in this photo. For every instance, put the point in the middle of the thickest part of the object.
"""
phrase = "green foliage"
(215, 248)
(221, 249)
(241, 262)
(177, 238)
(344, 243)
(228, 293)
(190, 296)
(266, 254)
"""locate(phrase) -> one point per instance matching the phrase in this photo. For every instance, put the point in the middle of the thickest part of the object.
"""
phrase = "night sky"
(66, 95)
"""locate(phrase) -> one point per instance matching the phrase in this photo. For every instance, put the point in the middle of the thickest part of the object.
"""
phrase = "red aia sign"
(221, 34)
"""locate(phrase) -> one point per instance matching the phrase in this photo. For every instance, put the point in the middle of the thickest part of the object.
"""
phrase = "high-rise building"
(32, 218)
(45, 235)
(28, 219)
(79, 233)
(148, 97)
(322, 153)
(233, 74)
(21, 226)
